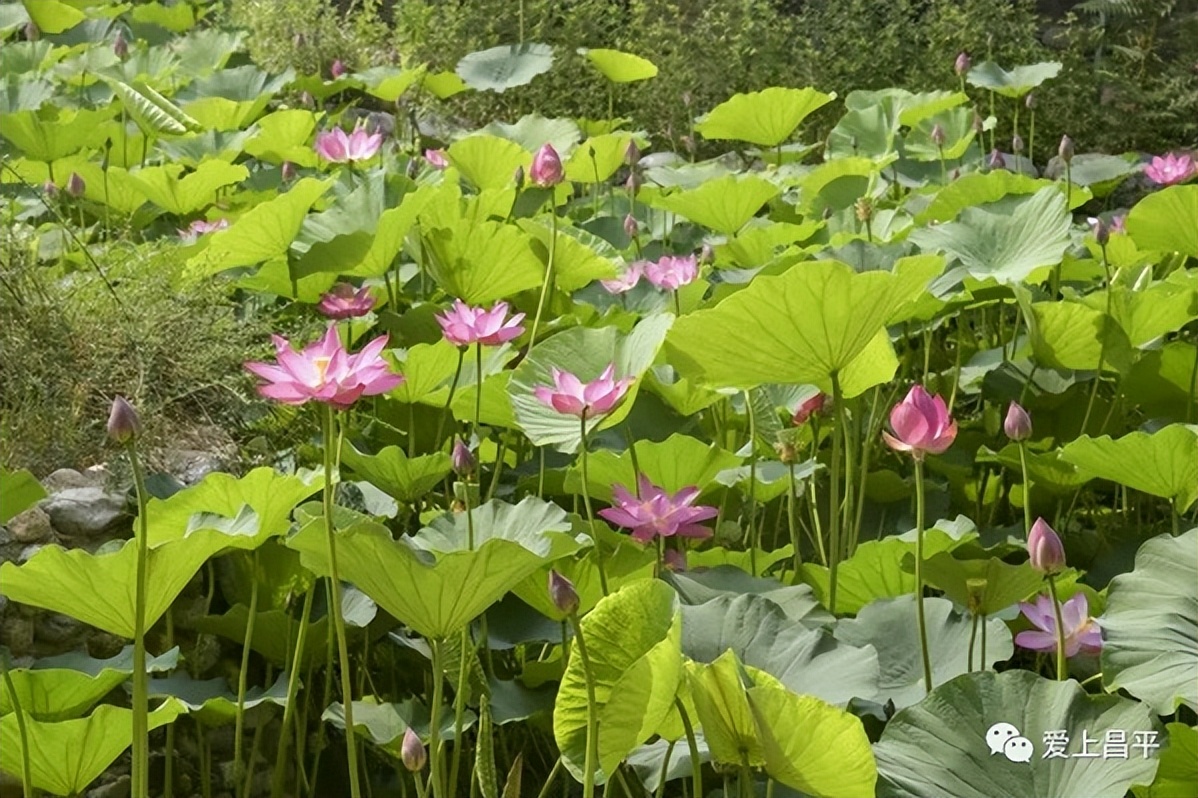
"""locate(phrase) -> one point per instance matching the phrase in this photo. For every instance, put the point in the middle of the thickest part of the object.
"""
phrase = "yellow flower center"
(322, 368)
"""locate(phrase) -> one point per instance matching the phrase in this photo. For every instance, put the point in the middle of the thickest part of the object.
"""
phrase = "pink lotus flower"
(1045, 551)
(670, 273)
(573, 397)
(325, 372)
(626, 281)
(656, 512)
(337, 146)
(921, 424)
(436, 159)
(202, 227)
(1082, 634)
(547, 170)
(809, 406)
(342, 302)
(464, 325)
(1171, 169)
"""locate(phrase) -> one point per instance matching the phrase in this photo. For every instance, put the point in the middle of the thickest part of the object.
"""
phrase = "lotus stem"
(331, 465)
(478, 392)
(1027, 491)
(1102, 344)
(436, 765)
(297, 660)
(754, 532)
(973, 633)
(665, 769)
(834, 492)
(696, 765)
(919, 609)
(790, 519)
(22, 732)
(140, 782)
(592, 753)
(536, 322)
(586, 500)
(1056, 611)
(453, 387)
(239, 724)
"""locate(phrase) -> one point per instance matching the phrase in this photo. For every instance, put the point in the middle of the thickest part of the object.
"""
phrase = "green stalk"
(592, 754)
(459, 702)
(453, 386)
(973, 633)
(436, 766)
(923, 626)
(753, 530)
(696, 765)
(557, 766)
(834, 491)
(1056, 611)
(1027, 492)
(478, 391)
(665, 768)
(22, 732)
(1102, 345)
(586, 500)
(790, 519)
(536, 322)
(239, 723)
(331, 465)
(140, 782)
(297, 661)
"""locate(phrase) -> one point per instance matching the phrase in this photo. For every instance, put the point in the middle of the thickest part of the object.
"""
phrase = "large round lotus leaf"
(1163, 464)
(766, 118)
(942, 746)
(501, 68)
(724, 204)
(1177, 776)
(19, 490)
(1015, 83)
(1165, 220)
(1150, 627)
(619, 67)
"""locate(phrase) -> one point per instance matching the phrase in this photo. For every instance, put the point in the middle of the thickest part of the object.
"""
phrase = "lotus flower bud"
(816, 403)
(463, 460)
(123, 423)
(1102, 233)
(518, 177)
(706, 254)
(632, 155)
(631, 228)
(1065, 151)
(963, 63)
(1017, 143)
(412, 752)
(337, 69)
(1045, 551)
(938, 135)
(979, 124)
(32, 31)
(120, 47)
(1030, 101)
(50, 189)
(633, 184)
(547, 170)
(288, 171)
(1017, 424)
(75, 185)
(562, 593)
(996, 160)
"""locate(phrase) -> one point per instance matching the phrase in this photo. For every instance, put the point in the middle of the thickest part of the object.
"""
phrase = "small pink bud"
(463, 459)
(1045, 551)
(547, 170)
(288, 171)
(963, 63)
(1030, 102)
(1102, 233)
(562, 593)
(812, 405)
(632, 155)
(123, 423)
(996, 160)
(630, 226)
(1065, 150)
(633, 184)
(121, 46)
(75, 185)
(337, 69)
(938, 135)
(1018, 424)
(412, 752)
(1017, 143)
(50, 189)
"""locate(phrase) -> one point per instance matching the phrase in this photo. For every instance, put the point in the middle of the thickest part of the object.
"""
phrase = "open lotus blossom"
(343, 302)
(1171, 169)
(1082, 634)
(464, 325)
(816, 403)
(573, 397)
(547, 170)
(921, 424)
(323, 371)
(436, 159)
(337, 146)
(626, 281)
(656, 513)
(670, 272)
(202, 227)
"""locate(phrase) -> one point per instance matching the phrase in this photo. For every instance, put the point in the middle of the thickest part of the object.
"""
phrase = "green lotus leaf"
(284, 136)
(1003, 584)
(276, 633)
(837, 184)
(182, 196)
(799, 327)
(388, 82)
(942, 744)
(1005, 243)
(67, 756)
(392, 231)
(1164, 220)
(624, 563)
(609, 151)
(532, 131)
(1150, 626)
(1015, 83)
(66, 686)
(1047, 470)
(399, 476)
(724, 204)
(211, 702)
(529, 523)
(176, 19)
(1160, 380)
(385, 724)
(633, 638)
(718, 691)
(889, 626)
(585, 352)
(812, 746)
(982, 188)
(1164, 463)
(619, 67)
(507, 66)
(488, 161)
(1177, 775)
(678, 462)
(1149, 313)
(152, 112)
(797, 602)
(19, 490)
(481, 261)
(426, 368)
(52, 16)
(808, 661)
(1099, 172)
(54, 133)
(1071, 335)
(766, 118)
(579, 257)
(444, 85)
(957, 125)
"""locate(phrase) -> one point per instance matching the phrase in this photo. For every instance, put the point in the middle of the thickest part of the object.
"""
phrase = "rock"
(190, 466)
(104, 645)
(31, 526)
(65, 478)
(85, 512)
(56, 628)
(10, 549)
(29, 551)
(117, 788)
(17, 634)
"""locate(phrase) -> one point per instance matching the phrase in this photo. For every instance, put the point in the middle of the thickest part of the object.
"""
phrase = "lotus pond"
(865, 466)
